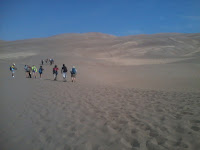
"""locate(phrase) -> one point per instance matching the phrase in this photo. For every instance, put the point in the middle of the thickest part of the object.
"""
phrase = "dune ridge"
(103, 46)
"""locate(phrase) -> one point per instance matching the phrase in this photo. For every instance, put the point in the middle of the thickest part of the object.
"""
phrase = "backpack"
(28, 69)
(73, 71)
(40, 70)
(64, 69)
(12, 68)
(33, 69)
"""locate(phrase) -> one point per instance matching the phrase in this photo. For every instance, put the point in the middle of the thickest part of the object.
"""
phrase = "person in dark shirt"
(42, 61)
(64, 72)
(41, 71)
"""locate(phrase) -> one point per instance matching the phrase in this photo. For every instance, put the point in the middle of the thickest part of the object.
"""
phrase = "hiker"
(34, 71)
(73, 73)
(12, 69)
(29, 71)
(64, 72)
(41, 71)
(26, 71)
(55, 72)
(46, 60)
(51, 61)
(42, 61)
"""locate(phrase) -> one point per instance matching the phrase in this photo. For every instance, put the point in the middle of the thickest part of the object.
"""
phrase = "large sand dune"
(133, 92)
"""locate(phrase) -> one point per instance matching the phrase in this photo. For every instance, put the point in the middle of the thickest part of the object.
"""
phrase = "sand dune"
(132, 93)
(98, 45)
(16, 55)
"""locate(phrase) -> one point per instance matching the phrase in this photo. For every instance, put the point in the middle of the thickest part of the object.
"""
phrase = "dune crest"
(170, 47)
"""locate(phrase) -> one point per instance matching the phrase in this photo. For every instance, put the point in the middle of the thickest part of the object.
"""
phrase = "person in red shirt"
(55, 72)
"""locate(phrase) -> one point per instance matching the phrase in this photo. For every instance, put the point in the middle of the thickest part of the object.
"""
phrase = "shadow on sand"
(55, 80)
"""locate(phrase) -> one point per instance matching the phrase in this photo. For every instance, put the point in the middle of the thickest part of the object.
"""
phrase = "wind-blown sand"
(112, 105)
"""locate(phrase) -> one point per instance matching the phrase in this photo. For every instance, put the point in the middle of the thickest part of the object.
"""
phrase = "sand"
(111, 106)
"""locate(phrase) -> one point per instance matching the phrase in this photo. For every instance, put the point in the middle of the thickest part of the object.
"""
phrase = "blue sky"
(25, 19)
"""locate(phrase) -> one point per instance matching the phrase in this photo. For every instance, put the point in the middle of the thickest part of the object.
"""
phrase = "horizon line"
(2, 40)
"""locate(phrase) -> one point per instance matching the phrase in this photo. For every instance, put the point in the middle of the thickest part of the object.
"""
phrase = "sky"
(26, 19)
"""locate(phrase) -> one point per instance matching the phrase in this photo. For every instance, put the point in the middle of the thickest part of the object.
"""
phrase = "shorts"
(73, 75)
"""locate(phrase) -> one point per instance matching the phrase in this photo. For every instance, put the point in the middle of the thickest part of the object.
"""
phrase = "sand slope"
(45, 114)
(147, 99)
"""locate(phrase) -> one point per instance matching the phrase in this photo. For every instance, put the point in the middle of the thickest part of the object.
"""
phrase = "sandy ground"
(109, 107)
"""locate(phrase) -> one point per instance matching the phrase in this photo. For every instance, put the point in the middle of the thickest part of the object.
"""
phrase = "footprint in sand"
(151, 146)
(48, 139)
(153, 133)
(159, 110)
(67, 147)
(43, 130)
(179, 129)
(195, 128)
(134, 131)
(161, 140)
(187, 113)
(135, 143)
(195, 121)
(178, 116)
(180, 143)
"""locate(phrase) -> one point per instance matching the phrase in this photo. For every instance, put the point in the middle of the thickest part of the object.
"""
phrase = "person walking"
(29, 71)
(42, 61)
(26, 71)
(64, 72)
(51, 61)
(12, 69)
(46, 60)
(41, 71)
(55, 72)
(73, 73)
(34, 71)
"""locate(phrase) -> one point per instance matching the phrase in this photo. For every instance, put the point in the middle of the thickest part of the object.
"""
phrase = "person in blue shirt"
(41, 71)
(73, 73)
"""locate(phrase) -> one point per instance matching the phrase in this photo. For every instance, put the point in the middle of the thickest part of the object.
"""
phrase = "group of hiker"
(28, 69)
(51, 61)
(64, 72)
(31, 72)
